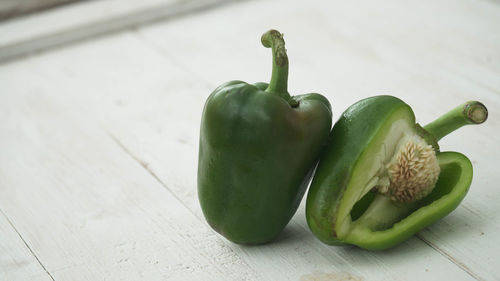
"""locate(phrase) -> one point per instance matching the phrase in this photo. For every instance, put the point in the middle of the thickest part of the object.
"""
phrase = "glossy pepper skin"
(344, 205)
(258, 147)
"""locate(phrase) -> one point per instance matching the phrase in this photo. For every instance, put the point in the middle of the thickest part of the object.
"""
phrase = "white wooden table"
(99, 140)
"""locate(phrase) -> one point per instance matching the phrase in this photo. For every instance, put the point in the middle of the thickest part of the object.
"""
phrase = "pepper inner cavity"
(409, 175)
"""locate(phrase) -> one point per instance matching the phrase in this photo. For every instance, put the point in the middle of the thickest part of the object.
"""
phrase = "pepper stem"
(472, 112)
(279, 78)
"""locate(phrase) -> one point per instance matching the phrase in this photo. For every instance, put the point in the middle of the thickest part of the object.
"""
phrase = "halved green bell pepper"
(258, 147)
(382, 177)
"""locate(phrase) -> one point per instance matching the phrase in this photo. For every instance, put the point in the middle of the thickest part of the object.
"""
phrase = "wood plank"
(17, 261)
(85, 20)
(86, 208)
(155, 117)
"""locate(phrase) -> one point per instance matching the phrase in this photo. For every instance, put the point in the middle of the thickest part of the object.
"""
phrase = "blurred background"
(17, 8)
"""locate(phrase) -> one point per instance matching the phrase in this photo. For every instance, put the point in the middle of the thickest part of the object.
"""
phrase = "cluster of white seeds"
(413, 172)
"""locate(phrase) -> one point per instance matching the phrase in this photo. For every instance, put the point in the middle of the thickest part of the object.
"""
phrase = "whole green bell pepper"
(382, 177)
(258, 147)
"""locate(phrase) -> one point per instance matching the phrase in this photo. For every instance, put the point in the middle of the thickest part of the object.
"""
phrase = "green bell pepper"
(382, 177)
(258, 147)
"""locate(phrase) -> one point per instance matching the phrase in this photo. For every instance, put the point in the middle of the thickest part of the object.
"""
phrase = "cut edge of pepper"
(424, 215)
(373, 161)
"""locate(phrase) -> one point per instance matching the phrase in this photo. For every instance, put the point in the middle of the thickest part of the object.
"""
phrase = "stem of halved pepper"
(472, 112)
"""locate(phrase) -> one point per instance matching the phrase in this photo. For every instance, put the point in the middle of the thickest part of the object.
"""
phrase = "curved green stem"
(279, 78)
(472, 112)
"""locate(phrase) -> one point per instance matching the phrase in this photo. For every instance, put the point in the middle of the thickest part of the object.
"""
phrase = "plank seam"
(450, 258)
(27, 246)
(146, 167)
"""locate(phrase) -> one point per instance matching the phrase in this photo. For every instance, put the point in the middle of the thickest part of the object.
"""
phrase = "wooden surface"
(99, 140)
